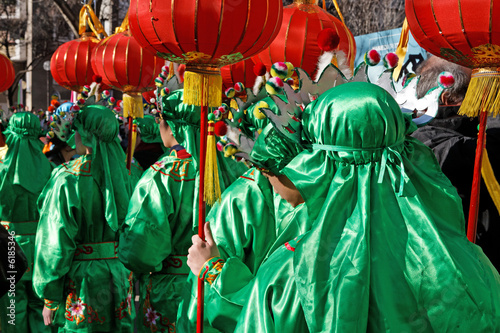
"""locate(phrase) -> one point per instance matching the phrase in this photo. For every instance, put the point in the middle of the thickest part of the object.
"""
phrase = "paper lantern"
(70, 64)
(6, 72)
(239, 72)
(297, 40)
(124, 65)
(205, 35)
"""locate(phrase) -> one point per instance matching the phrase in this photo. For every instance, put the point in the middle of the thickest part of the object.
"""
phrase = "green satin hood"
(272, 151)
(387, 251)
(149, 129)
(98, 128)
(25, 164)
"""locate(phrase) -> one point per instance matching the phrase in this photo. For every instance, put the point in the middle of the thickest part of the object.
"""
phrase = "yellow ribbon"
(490, 180)
(402, 49)
(338, 10)
(124, 26)
(88, 17)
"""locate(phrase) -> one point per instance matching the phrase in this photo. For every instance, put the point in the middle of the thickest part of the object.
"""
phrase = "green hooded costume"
(162, 218)
(23, 173)
(249, 223)
(387, 252)
(82, 208)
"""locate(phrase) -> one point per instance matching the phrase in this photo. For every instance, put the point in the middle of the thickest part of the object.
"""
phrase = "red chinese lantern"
(297, 40)
(6, 72)
(126, 66)
(239, 72)
(70, 64)
(465, 32)
(205, 35)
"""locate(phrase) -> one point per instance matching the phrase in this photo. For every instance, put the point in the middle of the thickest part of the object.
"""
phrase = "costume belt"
(21, 228)
(96, 251)
(175, 265)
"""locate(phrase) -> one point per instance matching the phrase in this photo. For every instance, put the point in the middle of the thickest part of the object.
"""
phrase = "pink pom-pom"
(259, 69)
(81, 101)
(112, 100)
(391, 60)
(239, 87)
(96, 78)
(223, 109)
(106, 93)
(372, 57)
(75, 108)
(220, 128)
(220, 146)
(328, 40)
(86, 88)
(290, 81)
(446, 80)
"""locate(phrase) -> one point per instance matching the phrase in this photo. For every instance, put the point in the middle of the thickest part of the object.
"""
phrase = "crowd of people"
(337, 214)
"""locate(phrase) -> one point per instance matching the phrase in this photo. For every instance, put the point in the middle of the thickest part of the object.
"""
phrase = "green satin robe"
(157, 236)
(76, 263)
(22, 218)
(249, 224)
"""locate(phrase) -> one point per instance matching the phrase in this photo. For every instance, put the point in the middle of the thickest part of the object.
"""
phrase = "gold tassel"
(483, 93)
(195, 78)
(212, 186)
(490, 180)
(134, 138)
(132, 106)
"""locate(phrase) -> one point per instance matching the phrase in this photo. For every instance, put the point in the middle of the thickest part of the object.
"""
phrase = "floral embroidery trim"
(211, 269)
(126, 305)
(153, 318)
(51, 305)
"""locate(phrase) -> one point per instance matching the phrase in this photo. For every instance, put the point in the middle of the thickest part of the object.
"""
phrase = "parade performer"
(82, 208)
(162, 216)
(23, 173)
(249, 223)
(388, 250)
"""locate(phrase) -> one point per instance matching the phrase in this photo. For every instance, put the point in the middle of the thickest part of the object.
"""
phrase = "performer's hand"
(201, 251)
(48, 315)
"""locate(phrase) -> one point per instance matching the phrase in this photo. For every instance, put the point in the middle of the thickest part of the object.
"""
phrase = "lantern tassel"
(483, 93)
(195, 78)
(212, 186)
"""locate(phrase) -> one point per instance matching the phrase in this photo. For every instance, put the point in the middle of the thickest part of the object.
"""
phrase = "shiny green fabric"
(375, 261)
(249, 224)
(159, 224)
(72, 215)
(98, 128)
(149, 129)
(23, 174)
(272, 151)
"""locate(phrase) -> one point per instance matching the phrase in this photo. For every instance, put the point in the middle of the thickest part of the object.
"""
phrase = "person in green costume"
(387, 251)
(23, 173)
(251, 221)
(82, 208)
(163, 214)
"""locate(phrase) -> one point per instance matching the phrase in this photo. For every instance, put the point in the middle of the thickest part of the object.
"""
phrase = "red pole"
(201, 201)
(476, 181)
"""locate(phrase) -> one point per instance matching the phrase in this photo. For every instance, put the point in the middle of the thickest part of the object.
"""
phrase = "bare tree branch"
(68, 14)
